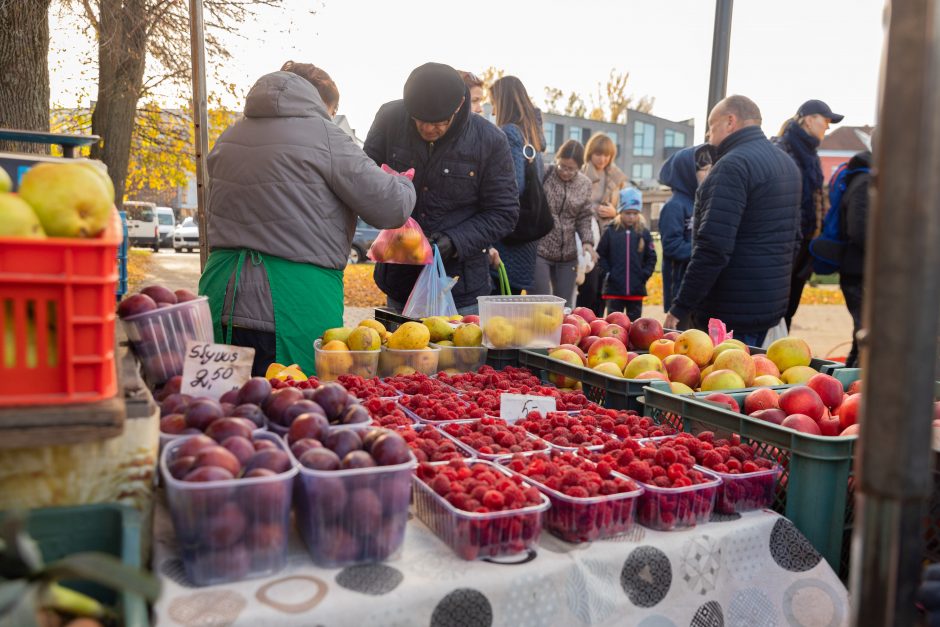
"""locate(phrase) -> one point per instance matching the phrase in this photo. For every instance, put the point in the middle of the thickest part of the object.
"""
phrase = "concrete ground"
(827, 328)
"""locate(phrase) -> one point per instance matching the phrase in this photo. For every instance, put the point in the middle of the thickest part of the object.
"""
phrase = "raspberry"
(493, 500)
(711, 459)
(577, 492)
(639, 471)
(603, 469)
(666, 457)
(738, 453)
(675, 471)
(749, 467)
(440, 484)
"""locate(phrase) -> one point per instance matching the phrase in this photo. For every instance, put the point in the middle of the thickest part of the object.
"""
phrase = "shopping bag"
(775, 333)
(718, 332)
(431, 295)
(406, 244)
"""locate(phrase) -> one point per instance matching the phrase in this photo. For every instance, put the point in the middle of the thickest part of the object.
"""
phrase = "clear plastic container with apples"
(521, 321)
(454, 359)
(333, 364)
(394, 361)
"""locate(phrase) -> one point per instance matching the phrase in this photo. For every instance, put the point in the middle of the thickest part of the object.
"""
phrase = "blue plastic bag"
(431, 295)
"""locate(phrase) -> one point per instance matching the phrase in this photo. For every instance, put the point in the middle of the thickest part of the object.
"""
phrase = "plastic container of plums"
(354, 515)
(231, 529)
(521, 321)
(332, 364)
(159, 337)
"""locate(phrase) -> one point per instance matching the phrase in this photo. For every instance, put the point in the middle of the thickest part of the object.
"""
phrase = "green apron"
(307, 300)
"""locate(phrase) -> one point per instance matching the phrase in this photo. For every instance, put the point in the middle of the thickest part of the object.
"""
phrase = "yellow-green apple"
(643, 363)
(570, 334)
(724, 346)
(69, 199)
(547, 318)
(17, 218)
(707, 370)
(587, 314)
(620, 319)
(607, 349)
(797, 374)
(788, 352)
(652, 374)
(499, 332)
(471, 319)
(829, 389)
(765, 380)
(573, 349)
(682, 369)
(695, 344)
(772, 414)
(848, 411)
(645, 331)
(563, 354)
(680, 388)
(609, 368)
(585, 344)
(598, 325)
(662, 348)
(850, 430)
(364, 339)
(763, 366)
(722, 380)
(671, 335)
(724, 399)
(615, 331)
(764, 398)
(739, 361)
(801, 400)
(583, 327)
(802, 423)
(739, 344)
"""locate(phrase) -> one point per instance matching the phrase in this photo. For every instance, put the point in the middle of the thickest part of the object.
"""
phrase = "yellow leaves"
(360, 288)
(139, 262)
(822, 296)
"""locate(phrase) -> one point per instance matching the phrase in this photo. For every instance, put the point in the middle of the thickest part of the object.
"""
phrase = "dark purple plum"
(239, 446)
(164, 305)
(181, 466)
(278, 402)
(320, 459)
(298, 408)
(218, 456)
(224, 527)
(342, 442)
(269, 499)
(172, 386)
(208, 473)
(390, 449)
(335, 546)
(251, 426)
(358, 459)
(209, 566)
(230, 397)
(363, 511)
(134, 305)
(265, 445)
(173, 424)
(385, 541)
(264, 537)
(326, 498)
(175, 403)
(273, 459)
(300, 447)
(309, 393)
(371, 436)
(355, 414)
(225, 428)
(183, 296)
(308, 426)
(202, 413)
(194, 444)
(250, 411)
(255, 391)
(159, 294)
(332, 397)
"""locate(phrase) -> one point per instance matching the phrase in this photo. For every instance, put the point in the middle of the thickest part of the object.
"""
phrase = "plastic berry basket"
(576, 520)
(353, 516)
(667, 509)
(461, 358)
(473, 535)
(544, 447)
(159, 337)
(57, 318)
(399, 361)
(745, 492)
(230, 530)
(460, 406)
(525, 321)
(331, 364)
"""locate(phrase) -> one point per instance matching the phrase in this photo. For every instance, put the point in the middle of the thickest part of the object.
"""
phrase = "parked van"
(167, 220)
(143, 226)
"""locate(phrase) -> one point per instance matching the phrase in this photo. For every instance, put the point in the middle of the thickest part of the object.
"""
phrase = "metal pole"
(901, 311)
(721, 50)
(200, 121)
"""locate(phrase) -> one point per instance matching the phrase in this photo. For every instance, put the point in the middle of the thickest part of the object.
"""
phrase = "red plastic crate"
(57, 318)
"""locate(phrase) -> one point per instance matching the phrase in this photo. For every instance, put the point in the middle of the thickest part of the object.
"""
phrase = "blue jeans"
(397, 307)
(755, 338)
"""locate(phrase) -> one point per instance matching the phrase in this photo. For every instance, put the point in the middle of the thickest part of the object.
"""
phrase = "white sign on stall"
(214, 369)
(513, 407)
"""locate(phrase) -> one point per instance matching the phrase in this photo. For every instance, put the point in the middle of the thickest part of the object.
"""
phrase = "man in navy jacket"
(746, 226)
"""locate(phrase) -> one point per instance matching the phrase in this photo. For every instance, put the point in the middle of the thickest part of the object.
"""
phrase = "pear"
(6, 183)
(101, 171)
(70, 199)
(440, 329)
(339, 333)
(410, 336)
(468, 335)
(17, 219)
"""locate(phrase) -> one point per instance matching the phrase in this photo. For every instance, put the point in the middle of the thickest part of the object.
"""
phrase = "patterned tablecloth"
(751, 570)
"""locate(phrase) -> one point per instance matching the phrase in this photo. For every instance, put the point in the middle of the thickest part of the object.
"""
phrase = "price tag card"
(512, 407)
(214, 369)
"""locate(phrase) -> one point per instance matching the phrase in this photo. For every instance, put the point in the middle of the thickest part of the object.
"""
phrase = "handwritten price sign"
(214, 369)
(513, 407)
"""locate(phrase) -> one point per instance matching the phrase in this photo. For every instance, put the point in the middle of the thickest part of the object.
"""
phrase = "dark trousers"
(589, 292)
(633, 308)
(802, 270)
(852, 291)
(264, 343)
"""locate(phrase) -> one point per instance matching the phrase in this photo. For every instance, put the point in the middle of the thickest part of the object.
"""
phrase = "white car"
(186, 236)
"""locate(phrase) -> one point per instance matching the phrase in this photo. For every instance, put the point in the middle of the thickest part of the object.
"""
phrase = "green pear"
(101, 171)
(17, 219)
(440, 329)
(6, 183)
(70, 199)
(339, 333)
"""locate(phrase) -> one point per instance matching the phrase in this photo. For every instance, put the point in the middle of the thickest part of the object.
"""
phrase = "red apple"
(672, 335)
(802, 400)
(607, 349)
(801, 422)
(585, 344)
(588, 315)
(724, 399)
(570, 334)
(615, 331)
(828, 387)
(851, 430)
(829, 425)
(764, 398)
(855, 387)
(570, 357)
(620, 319)
(644, 332)
(583, 327)
(652, 374)
(597, 326)
(774, 415)
(848, 411)
(573, 349)
(681, 369)
(471, 319)
(631, 356)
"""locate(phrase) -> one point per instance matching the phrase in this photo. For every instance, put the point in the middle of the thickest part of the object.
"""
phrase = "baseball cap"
(818, 106)
(631, 199)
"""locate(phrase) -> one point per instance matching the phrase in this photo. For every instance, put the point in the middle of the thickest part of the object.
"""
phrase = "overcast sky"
(782, 53)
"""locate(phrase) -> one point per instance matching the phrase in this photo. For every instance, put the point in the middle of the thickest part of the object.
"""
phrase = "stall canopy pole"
(721, 51)
(200, 120)
(902, 301)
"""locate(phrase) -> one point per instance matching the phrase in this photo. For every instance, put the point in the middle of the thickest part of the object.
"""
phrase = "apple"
(724, 399)
(696, 345)
(607, 349)
(643, 363)
(671, 335)
(583, 327)
(855, 387)
(620, 319)
(797, 375)
(722, 380)
(585, 344)
(609, 368)
(571, 357)
(645, 331)
(765, 380)
(631, 356)
(848, 411)
(471, 319)
(680, 388)
(738, 361)
(597, 326)
(615, 331)
(573, 349)
(802, 400)
(764, 398)
(681, 369)
(764, 366)
(829, 425)
(724, 346)
(587, 314)
(788, 352)
(829, 389)
(851, 430)
(774, 415)
(570, 334)
(662, 348)
(652, 374)
(801, 422)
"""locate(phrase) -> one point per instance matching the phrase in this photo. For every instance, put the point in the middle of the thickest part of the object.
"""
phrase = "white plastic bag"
(431, 295)
(775, 333)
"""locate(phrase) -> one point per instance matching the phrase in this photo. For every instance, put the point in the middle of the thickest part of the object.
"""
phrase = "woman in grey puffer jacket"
(568, 192)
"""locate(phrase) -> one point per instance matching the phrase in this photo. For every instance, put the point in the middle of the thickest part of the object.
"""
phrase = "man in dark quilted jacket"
(746, 226)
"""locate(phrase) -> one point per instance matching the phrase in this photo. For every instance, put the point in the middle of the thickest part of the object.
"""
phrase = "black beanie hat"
(433, 91)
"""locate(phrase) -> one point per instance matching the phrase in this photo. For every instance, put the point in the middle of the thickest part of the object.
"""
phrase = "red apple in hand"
(583, 327)
(644, 332)
(588, 315)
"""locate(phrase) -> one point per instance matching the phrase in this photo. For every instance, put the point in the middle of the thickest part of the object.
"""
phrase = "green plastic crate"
(107, 528)
(825, 366)
(819, 469)
(600, 388)
(500, 358)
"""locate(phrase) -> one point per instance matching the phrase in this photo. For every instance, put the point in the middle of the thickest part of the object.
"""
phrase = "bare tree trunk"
(122, 50)
(24, 85)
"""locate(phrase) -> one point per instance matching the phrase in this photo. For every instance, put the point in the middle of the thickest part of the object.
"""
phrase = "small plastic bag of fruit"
(406, 244)
(431, 296)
